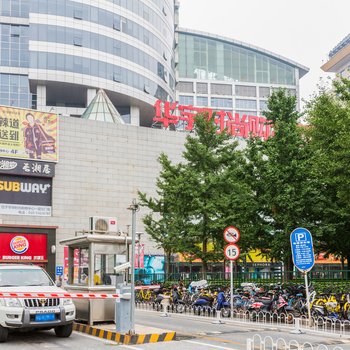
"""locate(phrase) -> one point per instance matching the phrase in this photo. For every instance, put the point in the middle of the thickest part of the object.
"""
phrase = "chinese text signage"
(26, 167)
(302, 249)
(23, 247)
(21, 195)
(28, 134)
(237, 125)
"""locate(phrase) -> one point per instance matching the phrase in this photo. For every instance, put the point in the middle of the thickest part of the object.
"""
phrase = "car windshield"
(24, 277)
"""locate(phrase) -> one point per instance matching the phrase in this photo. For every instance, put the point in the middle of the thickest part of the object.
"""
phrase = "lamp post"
(134, 207)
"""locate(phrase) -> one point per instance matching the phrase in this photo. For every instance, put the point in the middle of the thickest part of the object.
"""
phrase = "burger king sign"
(19, 244)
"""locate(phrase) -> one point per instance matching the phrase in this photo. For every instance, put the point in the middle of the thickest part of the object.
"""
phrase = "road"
(194, 334)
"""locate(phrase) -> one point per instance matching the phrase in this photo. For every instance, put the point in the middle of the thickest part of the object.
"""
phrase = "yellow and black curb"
(124, 338)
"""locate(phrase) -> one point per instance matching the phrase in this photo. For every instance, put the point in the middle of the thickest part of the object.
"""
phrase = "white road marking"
(131, 347)
(209, 345)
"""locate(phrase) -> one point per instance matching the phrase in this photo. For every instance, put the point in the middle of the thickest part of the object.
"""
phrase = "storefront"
(29, 245)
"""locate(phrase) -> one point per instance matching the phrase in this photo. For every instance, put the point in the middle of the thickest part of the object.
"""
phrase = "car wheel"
(64, 331)
(3, 334)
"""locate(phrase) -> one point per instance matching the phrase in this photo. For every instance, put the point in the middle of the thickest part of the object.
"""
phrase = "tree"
(162, 222)
(329, 133)
(285, 188)
(207, 193)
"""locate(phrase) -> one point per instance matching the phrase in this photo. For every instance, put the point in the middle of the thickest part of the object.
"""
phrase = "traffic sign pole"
(231, 286)
(308, 299)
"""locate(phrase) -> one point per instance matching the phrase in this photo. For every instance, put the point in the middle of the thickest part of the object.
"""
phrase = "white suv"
(32, 313)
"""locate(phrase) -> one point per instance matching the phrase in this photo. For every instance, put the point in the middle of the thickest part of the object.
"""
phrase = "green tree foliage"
(205, 193)
(329, 133)
(279, 171)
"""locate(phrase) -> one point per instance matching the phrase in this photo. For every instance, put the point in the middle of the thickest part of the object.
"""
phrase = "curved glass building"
(55, 54)
(226, 74)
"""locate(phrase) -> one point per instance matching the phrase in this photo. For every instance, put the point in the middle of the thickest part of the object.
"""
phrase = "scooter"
(222, 305)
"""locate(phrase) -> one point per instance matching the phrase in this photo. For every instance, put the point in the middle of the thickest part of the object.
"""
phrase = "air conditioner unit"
(103, 224)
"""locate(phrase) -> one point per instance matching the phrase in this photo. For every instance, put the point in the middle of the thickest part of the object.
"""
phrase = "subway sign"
(20, 195)
(181, 117)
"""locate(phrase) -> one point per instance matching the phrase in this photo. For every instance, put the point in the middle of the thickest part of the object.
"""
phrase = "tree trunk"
(204, 261)
(288, 268)
(348, 266)
(167, 263)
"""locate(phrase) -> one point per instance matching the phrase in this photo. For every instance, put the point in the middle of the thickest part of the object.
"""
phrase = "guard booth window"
(104, 269)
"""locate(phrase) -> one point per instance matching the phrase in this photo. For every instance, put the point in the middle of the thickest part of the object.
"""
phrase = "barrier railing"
(298, 324)
(338, 276)
(259, 342)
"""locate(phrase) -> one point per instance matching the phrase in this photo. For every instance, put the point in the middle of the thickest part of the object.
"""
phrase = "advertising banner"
(23, 247)
(20, 195)
(139, 256)
(26, 167)
(28, 134)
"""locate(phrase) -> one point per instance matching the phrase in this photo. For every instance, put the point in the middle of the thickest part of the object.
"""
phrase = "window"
(246, 104)
(202, 88)
(116, 23)
(263, 105)
(264, 92)
(247, 91)
(185, 100)
(78, 13)
(221, 102)
(221, 89)
(185, 86)
(78, 41)
(202, 101)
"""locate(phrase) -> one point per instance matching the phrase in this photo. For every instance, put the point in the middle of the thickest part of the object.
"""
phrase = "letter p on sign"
(301, 237)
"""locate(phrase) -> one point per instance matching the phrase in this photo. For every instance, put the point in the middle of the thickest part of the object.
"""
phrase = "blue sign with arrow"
(302, 249)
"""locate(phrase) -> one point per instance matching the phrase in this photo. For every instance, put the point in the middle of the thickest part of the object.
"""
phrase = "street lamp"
(134, 207)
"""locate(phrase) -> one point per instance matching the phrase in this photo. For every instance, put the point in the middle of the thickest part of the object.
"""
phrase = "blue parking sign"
(302, 249)
(59, 270)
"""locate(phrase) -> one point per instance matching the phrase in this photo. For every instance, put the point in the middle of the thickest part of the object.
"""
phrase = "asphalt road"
(193, 334)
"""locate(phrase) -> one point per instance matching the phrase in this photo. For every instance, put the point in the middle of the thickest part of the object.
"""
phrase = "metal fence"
(298, 324)
(331, 276)
(268, 343)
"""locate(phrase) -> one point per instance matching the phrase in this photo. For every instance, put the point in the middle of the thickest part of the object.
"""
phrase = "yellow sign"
(28, 134)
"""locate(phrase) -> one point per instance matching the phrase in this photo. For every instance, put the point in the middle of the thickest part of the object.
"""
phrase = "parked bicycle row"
(287, 300)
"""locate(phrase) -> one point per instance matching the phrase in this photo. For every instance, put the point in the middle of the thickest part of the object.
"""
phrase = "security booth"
(92, 256)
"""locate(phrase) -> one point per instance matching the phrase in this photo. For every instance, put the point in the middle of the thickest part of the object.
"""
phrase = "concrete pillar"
(134, 115)
(41, 97)
(90, 94)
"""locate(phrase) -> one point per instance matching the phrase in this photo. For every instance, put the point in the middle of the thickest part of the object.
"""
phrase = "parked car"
(32, 313)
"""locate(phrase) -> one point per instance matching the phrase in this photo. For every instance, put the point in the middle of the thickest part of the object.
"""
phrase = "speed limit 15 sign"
(232, 252)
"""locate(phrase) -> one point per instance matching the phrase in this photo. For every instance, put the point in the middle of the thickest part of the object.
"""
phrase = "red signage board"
(139, 259)
(23, 247)
(235, 124)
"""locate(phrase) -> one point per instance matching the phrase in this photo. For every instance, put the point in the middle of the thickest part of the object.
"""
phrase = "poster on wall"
(20, 195)
(22, 247)
(154, 264)
(28, 134)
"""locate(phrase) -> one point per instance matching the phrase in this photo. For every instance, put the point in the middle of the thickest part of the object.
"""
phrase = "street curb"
(124, 338)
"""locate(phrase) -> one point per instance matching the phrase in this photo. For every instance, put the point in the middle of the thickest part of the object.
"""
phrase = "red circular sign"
(231, 234)
(232, 252)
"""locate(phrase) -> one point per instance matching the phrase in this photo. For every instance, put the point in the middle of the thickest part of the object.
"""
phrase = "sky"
(301, 30)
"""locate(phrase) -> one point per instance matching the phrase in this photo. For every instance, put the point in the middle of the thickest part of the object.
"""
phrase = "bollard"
(218, 318)
(165, 303)
(297, 329)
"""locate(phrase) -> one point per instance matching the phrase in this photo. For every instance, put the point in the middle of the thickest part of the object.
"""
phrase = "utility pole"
(134, 207)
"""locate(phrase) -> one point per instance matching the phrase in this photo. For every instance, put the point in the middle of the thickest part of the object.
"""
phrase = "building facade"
(54, 57)
(223, 73)
(339, 59)
(55, 54)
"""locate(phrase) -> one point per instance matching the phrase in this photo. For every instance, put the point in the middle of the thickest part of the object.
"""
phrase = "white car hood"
(33, 289)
